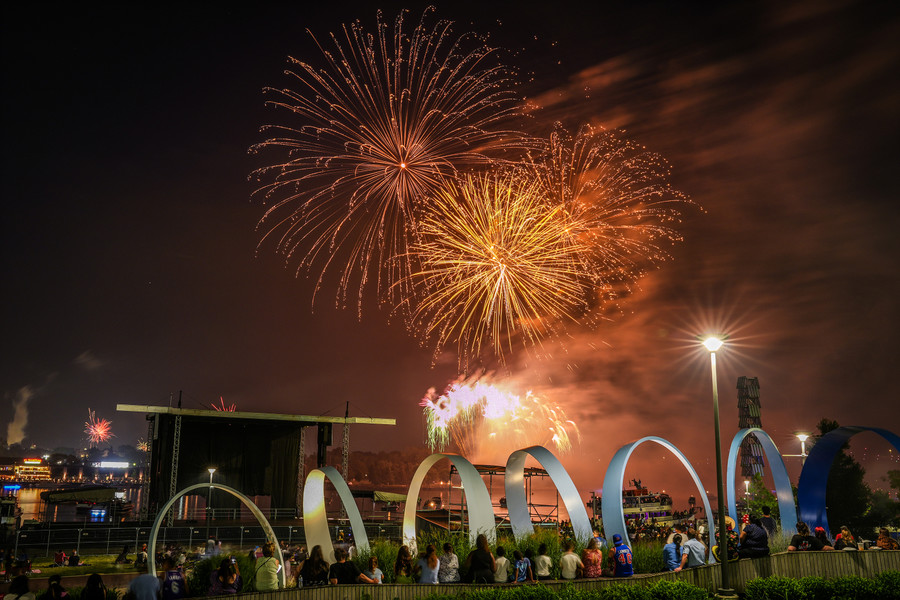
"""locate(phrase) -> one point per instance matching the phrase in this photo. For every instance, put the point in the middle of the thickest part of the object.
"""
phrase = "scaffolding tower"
(749, 415)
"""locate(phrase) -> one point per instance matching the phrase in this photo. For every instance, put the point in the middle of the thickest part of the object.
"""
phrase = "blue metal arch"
(514, 483)
(315, 519)
(611, 503)
(814, 476)
(783, 489)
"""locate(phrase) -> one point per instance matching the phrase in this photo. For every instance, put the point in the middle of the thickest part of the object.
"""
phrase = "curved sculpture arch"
(611, 503)
(315, 518)
(264, 523)
(814, 476)
(785, 494)
(517, 504)
(480, 513)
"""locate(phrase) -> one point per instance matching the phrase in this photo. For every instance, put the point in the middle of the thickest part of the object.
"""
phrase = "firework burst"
(222, 407)
(379, 126)
(496, 263)
(479, 417)
(142, 445)
(98, 431)
(621, 207)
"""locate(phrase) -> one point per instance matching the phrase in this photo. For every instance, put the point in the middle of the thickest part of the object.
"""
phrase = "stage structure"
(260, 454)
(750, 417)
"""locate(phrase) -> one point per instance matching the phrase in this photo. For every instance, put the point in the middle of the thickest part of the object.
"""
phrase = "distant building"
(749, 415)
(24, 469)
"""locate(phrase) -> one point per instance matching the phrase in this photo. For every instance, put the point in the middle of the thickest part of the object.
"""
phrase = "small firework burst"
(143, 446)
(479, 417)
(98, 431)
(222, 407)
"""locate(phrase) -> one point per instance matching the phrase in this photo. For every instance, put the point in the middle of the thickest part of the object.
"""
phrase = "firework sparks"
(221, 407)
(97, 430)
(142, 445)
(379, 126)
(496, 262)
(472, 414)
(620, 204)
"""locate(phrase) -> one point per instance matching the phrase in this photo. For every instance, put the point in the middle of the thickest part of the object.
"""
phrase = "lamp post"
(713, 344)
(802, 437)
(209, 501)
(747, 493)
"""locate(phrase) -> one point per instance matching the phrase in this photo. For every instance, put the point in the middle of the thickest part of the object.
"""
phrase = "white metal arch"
(315, 518)
(264, 523)
(517, 504)
(478, 501)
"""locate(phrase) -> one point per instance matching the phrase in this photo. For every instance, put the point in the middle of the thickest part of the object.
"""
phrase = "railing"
(110, 540)
(789, 564)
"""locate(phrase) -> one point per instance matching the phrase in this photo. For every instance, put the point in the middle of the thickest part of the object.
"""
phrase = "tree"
(847, 497)
(761, 496)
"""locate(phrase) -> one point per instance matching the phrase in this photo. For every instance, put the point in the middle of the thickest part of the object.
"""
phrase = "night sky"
(130, 261)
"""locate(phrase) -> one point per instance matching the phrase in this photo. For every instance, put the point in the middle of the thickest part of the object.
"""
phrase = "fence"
(110, 540)
(790, 564)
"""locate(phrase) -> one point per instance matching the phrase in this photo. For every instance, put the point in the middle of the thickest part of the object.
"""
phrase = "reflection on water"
(32, 507)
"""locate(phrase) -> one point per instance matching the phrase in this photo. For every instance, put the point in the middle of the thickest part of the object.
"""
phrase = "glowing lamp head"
(802, 437)
(211, 470)
(713, 343)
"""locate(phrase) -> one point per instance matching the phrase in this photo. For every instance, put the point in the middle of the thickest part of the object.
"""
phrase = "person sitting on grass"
(122, 558)
(60, 559)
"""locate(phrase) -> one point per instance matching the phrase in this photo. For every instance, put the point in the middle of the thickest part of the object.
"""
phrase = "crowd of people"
(686, 547)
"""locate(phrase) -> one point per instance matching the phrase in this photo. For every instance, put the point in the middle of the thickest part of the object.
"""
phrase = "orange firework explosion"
(620, 204)
(475, 414)
(379, 125)
(97, 430)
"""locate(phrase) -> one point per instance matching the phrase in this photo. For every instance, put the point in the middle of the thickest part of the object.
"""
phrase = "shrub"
(198, 578)
(773, 588)
(889, 584)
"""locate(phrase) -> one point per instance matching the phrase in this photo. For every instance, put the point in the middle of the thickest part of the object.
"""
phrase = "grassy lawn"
(96, 563)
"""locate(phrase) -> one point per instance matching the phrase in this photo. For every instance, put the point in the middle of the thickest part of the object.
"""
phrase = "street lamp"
(209, 501)
(713, 344)
(802, 437)
(747, 493)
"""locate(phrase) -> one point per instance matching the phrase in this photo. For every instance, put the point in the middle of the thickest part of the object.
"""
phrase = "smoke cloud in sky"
(15, 431)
